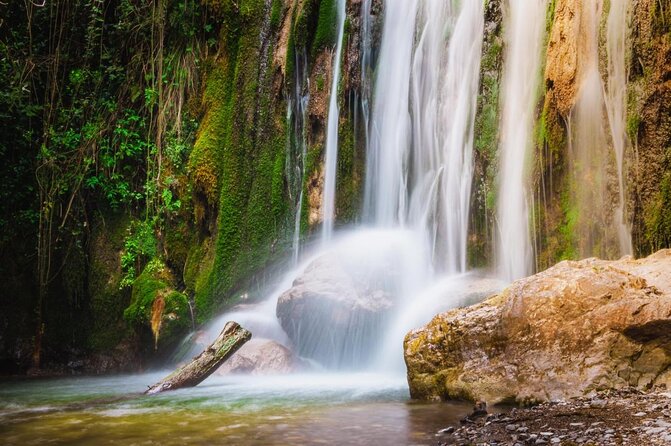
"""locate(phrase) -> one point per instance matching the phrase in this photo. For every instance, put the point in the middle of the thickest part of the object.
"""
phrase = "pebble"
(568, 422)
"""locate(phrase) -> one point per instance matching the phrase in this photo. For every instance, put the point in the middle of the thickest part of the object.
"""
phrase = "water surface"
(343, 409)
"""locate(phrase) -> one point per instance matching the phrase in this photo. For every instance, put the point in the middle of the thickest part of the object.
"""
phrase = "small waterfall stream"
(597, 138)
(525, 26)
(297, 116)
(331, 155)
(616, 106)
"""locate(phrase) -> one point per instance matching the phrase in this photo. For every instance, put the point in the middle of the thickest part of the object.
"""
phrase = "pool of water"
(342, 409)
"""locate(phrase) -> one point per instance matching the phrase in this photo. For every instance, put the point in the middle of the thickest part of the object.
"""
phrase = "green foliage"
(139, 246)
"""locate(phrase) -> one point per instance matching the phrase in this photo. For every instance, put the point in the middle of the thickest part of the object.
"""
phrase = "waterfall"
(525, 25)
(298, 140)
(366, 66)
(331, 158)
(616, 106)
(420, 163)
(596, 123)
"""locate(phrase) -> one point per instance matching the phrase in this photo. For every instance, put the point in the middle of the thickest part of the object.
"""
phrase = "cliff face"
(226, 208)
(646, 140)
(179, 195)
(649, 126)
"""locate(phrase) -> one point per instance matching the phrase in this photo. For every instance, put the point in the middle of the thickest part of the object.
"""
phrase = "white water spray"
(525, 26)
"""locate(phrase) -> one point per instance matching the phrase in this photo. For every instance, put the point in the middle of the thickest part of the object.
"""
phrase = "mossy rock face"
(157, 306)
(107, 300)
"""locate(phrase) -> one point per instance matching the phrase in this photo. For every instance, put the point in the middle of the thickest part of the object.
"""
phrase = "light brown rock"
(572, 329)
(262, 357)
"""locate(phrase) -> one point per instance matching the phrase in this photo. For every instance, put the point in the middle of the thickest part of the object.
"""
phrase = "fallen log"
(231, 338)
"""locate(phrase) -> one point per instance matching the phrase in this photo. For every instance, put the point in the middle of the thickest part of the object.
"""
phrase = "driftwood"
(231, 338)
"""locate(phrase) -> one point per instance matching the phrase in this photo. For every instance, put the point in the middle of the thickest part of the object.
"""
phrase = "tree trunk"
(231, 338)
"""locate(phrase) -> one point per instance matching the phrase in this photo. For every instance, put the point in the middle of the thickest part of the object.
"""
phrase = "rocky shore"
(623, 417)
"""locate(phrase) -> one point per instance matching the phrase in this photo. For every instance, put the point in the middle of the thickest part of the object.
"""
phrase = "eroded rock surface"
(575, 328)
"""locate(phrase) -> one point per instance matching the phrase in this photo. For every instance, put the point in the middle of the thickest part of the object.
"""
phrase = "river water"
(343, 409)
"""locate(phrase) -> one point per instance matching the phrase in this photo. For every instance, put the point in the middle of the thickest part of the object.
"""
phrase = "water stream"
(352, 409)
(331, 154)
(525, 26)
(597, 138)
(616, 106)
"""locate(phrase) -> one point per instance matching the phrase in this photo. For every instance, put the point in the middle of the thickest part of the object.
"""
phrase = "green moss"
(567, 242)
(326, 33)
(176, 319)
(247, 130)
(107, 302)
(658, 216)
(145, 289)
(350, 172)
(276, 13)
(486, 136)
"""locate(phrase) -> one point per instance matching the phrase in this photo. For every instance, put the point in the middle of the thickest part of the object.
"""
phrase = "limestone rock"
(330, 316)
(262, 357)
(575, 328)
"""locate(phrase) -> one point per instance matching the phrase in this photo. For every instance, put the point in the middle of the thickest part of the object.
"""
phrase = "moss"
(107, 300)
(658, 216)
(145, 288)
(176, 319)
(350, 173)
(249, 141)
(326, 32)
(566, 232)
(276, 13)
(486, 136)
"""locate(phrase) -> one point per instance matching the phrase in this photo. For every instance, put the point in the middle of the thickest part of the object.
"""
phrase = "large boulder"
(332, 316)
(262, 357)
(573, 329)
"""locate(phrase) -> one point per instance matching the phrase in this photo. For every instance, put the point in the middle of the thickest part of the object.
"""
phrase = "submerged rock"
(262, 357)
(331, 316)
(576, 328)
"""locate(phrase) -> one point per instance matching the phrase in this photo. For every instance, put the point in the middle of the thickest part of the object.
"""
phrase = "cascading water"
(616, 106)
(596, 123)
(366, 65)
(349, 303)
(298, 141)
(420, 163)
(525, 25)
(386, 168)
(331, 156)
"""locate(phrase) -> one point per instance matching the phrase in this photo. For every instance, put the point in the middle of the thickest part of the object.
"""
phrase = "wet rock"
(262, 357)
(559, 334)
(330, 315)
